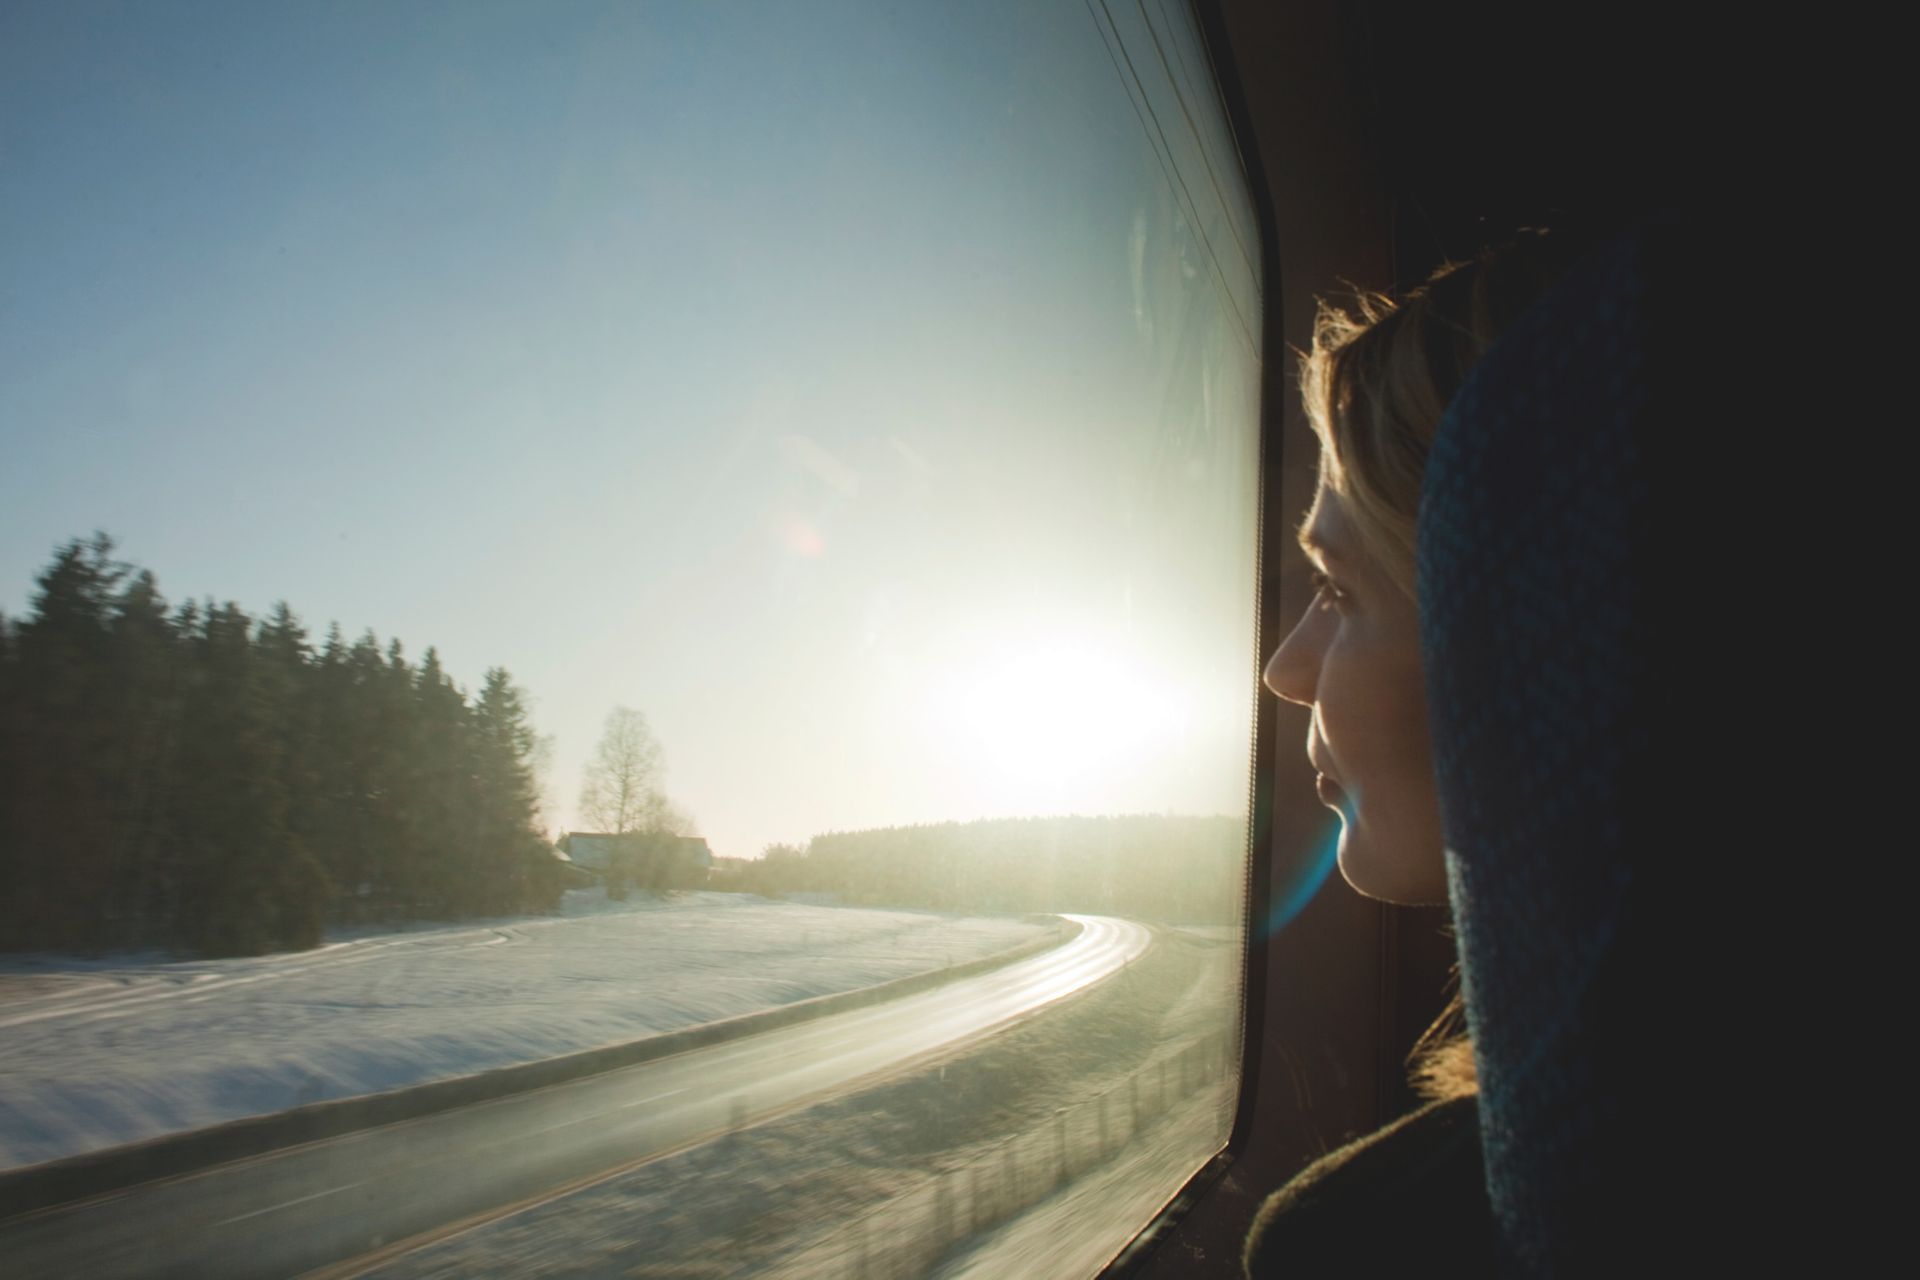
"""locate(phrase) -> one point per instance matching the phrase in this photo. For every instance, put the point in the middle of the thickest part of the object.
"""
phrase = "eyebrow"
(1318, 548)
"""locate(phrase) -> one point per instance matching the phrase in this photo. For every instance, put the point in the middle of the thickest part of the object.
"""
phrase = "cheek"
(1373, 715)
(1348, 693)
(1404, 700)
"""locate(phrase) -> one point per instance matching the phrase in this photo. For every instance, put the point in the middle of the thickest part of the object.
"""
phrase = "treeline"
(1188, 870)
(195, 778)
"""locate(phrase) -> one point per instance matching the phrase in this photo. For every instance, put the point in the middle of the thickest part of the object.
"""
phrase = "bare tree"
(671, 819)
(621, 791)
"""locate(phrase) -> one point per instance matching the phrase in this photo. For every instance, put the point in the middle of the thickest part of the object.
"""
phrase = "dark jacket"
(1408, 1200)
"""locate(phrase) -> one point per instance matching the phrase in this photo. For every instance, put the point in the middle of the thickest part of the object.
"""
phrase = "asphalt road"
(339, 1204)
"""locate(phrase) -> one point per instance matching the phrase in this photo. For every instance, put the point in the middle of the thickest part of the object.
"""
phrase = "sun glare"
(1037, 723)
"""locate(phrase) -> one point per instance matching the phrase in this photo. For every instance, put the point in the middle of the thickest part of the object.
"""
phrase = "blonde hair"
(1441, 1064)
(1376, 383)
(1379, 377)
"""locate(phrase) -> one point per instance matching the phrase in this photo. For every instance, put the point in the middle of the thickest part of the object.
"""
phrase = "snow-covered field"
(94, 1053)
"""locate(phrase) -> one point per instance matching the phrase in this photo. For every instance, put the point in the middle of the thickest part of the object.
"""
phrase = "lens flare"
(1292, 894)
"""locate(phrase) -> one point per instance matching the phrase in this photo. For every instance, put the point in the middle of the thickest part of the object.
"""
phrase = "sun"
(1055, 723)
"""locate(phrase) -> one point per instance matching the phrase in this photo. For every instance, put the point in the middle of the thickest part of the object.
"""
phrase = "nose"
(1293, 672)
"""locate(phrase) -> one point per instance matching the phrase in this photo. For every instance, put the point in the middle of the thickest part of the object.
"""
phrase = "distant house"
(589, 850)
(644, 860)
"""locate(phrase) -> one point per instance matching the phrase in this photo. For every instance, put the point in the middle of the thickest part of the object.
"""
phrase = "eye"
(1328, 592)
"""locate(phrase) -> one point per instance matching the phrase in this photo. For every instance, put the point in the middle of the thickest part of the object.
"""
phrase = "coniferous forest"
(194, 778)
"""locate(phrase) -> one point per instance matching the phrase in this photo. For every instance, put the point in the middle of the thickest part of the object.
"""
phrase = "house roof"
(598, 844)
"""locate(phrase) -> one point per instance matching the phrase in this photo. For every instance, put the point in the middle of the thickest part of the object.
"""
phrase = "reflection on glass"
(764, 504)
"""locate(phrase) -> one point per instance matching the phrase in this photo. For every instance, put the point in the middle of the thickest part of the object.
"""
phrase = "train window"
(626, 635)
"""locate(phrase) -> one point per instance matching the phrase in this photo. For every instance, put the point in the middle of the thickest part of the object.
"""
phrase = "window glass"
(534, 529)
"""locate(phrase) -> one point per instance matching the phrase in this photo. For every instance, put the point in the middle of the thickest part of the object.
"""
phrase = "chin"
(1392, 877)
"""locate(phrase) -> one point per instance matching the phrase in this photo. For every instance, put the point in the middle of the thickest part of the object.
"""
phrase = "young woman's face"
(1354, 657)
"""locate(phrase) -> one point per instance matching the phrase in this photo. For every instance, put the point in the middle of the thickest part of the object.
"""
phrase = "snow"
(98, 1052)
(949, 1168)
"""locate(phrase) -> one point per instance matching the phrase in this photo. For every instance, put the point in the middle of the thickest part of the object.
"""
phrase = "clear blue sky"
(850, 391)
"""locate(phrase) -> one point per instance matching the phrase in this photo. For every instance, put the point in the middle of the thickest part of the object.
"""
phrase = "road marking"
(288, 1204)
(599, 1115)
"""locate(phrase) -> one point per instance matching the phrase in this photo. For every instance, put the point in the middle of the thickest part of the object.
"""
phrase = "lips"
(1325, 785)
(1326, 774)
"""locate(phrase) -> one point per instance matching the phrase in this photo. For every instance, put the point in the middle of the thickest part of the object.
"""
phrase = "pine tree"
(441, 821)
(330, 817)
(60, 833)
(145, 686)
(15, 747)
(373, 831)
(512, 859)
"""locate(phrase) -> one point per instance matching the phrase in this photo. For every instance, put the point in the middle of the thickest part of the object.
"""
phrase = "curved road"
(331, 1204)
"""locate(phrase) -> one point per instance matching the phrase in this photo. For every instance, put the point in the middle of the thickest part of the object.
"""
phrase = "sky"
(866, 398)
